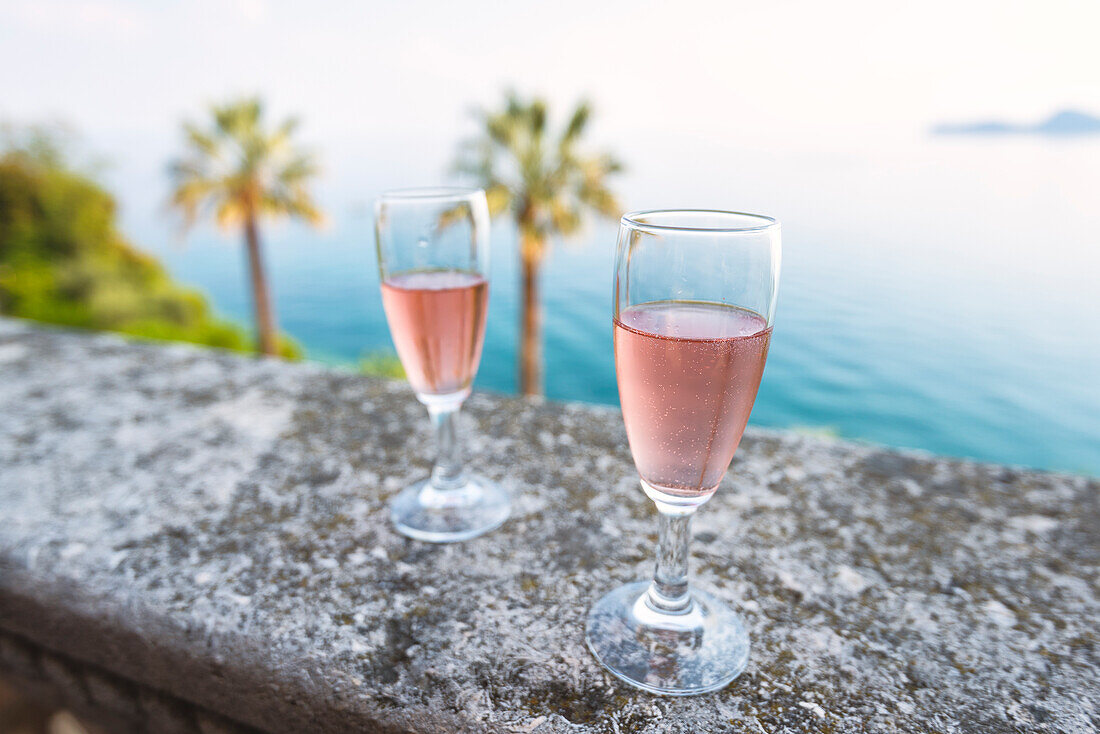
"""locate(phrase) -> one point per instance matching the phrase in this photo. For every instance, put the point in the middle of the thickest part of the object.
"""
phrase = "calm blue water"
(944, 299)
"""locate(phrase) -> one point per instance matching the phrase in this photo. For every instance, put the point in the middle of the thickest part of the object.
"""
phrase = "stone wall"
(201, 539)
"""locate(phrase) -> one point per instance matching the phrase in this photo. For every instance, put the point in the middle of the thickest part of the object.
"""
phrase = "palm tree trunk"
(261, 299)
(530, 356)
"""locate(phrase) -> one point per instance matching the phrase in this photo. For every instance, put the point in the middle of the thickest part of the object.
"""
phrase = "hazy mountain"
(1062, 123)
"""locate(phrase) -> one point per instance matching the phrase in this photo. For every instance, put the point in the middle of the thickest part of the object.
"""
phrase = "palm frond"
(201, 141)
(300, 168)
(500, 198)
(237, 169)
(565, 217)
(576, 124)
(548, 185)
(536, 117)
(230, 213)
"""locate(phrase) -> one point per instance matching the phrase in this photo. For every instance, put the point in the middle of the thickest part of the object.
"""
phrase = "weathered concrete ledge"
(192, 541)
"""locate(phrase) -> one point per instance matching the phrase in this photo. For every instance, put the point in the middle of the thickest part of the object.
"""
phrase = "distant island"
(1065, 123)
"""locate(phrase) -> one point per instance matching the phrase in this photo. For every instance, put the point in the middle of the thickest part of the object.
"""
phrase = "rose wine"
(688, 373)
(437, 319)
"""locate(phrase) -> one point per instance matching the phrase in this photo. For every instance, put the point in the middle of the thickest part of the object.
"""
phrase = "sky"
(692, 95)
(788, 72)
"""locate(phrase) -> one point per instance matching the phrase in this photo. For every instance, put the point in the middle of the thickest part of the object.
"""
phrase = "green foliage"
(382, 363)
(63, 260)
(287, 348)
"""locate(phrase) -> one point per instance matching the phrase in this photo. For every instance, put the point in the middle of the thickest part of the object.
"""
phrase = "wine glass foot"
(422, 513)
(673, 655)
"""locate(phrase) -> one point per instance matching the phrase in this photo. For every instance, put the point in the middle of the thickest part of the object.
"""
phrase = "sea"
(942, 294)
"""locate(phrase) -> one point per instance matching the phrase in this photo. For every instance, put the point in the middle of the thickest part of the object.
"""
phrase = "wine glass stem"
(668, 594)
(449, 473)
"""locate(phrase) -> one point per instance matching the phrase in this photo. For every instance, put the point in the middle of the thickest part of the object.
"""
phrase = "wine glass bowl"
(694, 301)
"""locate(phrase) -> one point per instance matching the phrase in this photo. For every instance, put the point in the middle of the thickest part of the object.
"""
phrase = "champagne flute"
(695, 296)
(433, 259)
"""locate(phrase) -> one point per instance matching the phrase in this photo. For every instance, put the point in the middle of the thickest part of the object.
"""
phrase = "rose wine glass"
(433, 259)
(694, 298)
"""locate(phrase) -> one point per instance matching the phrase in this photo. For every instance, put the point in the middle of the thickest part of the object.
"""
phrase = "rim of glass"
(634, 220)
(430, 192)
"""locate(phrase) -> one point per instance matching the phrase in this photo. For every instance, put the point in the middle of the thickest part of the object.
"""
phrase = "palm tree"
(242, 173)
(547, 186)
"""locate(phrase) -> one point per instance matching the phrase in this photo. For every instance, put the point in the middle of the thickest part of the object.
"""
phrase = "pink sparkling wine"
(437, 319)
(688, 374)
